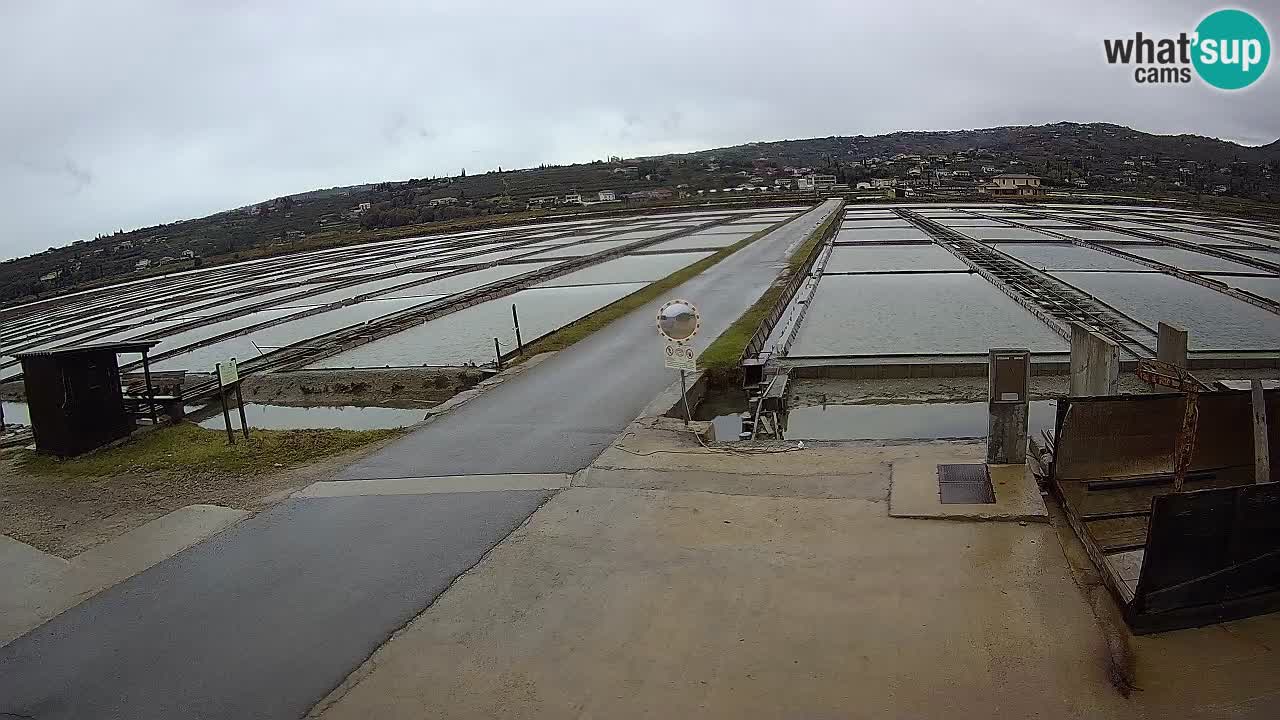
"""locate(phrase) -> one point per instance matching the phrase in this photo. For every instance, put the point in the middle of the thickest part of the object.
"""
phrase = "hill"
(1097, 156)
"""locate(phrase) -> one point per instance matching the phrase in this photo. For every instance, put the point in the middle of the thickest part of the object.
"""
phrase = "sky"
(124, 114)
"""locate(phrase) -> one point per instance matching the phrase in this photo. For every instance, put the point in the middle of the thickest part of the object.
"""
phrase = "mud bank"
(808, 392)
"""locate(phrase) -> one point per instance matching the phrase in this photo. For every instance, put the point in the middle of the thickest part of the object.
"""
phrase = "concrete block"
(1008, 386)
(23, 564)
(913, 493)
(1171, 344)
(1007, 432)
(1095, 363)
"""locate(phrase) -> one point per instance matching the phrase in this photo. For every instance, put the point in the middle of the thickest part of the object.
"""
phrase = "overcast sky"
(124, 114)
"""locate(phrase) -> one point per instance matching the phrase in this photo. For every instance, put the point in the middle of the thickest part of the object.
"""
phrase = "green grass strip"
(187, 447)
(724, 354)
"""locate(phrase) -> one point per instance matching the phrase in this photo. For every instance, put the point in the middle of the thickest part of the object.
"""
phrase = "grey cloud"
(132, 113)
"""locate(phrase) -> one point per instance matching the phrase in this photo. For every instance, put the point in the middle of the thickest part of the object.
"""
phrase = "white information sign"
(228, 373)
(680, 357)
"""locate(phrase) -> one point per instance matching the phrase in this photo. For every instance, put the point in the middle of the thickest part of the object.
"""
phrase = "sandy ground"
(676, 581)
(810, 392)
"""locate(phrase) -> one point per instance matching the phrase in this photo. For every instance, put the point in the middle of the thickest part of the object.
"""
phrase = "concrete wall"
(1095, 363)
(1171, 345)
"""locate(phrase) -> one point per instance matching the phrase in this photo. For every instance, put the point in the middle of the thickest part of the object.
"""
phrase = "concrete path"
(262, 620)
(561, 415)
(696, 583)
(625, 603)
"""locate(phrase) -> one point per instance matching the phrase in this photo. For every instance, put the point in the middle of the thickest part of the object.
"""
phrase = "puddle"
(727, 427)
(15, 413)
(287, 417)
(917, 421)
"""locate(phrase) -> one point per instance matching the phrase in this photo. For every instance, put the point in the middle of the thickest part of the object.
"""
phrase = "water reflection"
(914, 421)
(286, 417)
(15, 413)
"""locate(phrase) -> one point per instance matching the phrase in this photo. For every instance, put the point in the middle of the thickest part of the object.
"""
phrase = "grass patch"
(572, 333)
(187, 447)
(722, 357)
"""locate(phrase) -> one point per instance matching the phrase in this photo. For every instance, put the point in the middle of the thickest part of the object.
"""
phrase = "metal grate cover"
(965, 484)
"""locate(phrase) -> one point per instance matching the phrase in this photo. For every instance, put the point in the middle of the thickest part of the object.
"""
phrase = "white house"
(1014, 185)
(444, 201)
(607, 196)
(572, 199)
(142, 264)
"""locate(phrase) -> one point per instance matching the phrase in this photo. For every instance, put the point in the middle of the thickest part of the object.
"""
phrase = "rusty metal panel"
(1128, 435)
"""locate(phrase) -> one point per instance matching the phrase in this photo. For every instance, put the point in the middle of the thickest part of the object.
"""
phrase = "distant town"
(1093, 159)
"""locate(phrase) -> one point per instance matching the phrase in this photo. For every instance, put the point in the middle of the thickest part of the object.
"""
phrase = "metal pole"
(684, 398)
(244, 424)
(516, 319)
(151, 396)
(497, 353)
(222, 399)
(1186, 446)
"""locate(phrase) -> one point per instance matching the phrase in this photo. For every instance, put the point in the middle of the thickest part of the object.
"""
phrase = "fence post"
(516, 319)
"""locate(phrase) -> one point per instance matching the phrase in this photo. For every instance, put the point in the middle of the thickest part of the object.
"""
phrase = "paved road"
(266, 618)
(559, 416)
(262, 620)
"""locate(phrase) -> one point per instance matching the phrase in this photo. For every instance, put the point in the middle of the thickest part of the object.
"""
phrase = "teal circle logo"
(1231, 50)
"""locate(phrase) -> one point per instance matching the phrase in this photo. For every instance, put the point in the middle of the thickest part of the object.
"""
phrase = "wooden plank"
(1118, 533)
(1261, 453)
(1092, 503)
(1118, 587)
(1127, 568)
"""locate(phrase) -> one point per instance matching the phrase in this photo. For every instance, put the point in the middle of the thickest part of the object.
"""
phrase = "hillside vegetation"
(1096, 157)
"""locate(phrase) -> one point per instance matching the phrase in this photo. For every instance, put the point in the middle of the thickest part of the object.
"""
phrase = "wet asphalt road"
(263, 620)
(559, 416)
